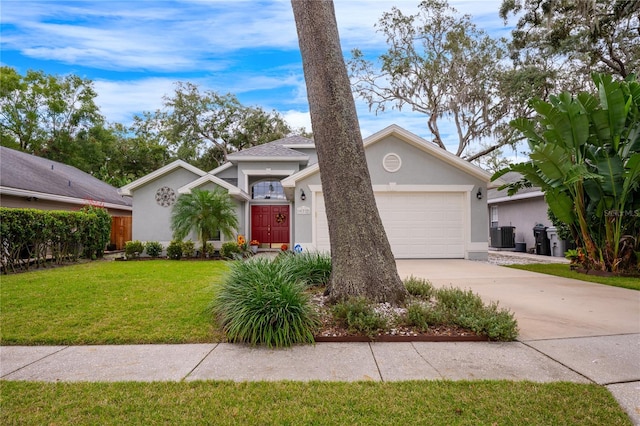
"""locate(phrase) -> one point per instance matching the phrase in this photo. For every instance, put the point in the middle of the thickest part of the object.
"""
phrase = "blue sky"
(135, 51)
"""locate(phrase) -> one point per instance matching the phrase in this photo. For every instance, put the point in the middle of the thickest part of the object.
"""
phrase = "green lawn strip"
(563, 270)
(391, 403)
(103, 302)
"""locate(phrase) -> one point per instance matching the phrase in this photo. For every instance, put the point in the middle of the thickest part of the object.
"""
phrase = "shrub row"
(29, 236)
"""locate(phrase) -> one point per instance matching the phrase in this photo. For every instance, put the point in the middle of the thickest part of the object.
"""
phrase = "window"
(268, 190)
(494, 216)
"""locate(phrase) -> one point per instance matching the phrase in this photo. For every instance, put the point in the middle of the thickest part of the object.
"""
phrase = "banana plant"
(585, 157)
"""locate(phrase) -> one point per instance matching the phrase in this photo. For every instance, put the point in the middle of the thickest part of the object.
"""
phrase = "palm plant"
(206, 213)
(585, 156)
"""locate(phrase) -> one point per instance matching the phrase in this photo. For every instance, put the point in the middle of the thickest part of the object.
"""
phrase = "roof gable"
(23, 174)
(127, 189)
(410, 138)
(233, 190)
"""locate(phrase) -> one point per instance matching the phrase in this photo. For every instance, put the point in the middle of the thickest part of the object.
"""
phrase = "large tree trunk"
(363, 264)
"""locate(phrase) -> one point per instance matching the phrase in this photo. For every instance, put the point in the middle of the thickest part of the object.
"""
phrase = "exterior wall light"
(303, 196)
(479, 194)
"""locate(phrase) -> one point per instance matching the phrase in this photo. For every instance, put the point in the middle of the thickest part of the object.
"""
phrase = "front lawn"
(155, 301)
(335, 403)
(563, 270)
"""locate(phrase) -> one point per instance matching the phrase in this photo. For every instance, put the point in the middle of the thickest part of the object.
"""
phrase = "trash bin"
(542, 241)
(556, 245)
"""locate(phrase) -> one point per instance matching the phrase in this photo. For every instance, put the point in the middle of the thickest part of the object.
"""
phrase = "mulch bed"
(333, 331)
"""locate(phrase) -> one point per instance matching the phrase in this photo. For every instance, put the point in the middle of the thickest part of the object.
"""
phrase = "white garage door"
(419, 225)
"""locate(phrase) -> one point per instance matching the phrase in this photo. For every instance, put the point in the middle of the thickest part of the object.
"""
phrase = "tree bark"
(362, 261)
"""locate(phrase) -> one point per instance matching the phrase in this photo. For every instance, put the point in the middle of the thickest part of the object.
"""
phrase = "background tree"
(203, 128)
(440, 64)
(206, 213)
(576, 37)
(362, 261)
(42, 114)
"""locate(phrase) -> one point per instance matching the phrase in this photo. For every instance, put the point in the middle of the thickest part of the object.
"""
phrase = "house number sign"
(165, 196)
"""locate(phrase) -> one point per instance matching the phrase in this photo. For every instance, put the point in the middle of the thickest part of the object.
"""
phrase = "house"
(28, 181)
(523, 210)
(431, 202)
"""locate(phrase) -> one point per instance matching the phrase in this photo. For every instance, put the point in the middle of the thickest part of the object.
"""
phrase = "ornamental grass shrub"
(261, 303)
(419, 287)
(313, 268)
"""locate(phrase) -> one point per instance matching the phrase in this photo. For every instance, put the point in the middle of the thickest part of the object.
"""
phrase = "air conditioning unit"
(503, 237)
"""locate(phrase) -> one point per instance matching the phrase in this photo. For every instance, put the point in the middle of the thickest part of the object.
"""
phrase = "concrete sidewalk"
(569, 331)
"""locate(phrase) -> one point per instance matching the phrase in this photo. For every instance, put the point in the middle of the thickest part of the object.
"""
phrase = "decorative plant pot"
(254, 249)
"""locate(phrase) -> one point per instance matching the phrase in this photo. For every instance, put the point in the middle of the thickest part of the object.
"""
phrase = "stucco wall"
(417, 168)
(524, 215)
(152, 222)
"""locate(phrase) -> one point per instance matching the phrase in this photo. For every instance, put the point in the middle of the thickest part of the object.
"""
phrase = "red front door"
(270, 224)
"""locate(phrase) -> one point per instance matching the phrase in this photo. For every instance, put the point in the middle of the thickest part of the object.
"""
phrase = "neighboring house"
(524, 211)
(28, 181)
(432, 203)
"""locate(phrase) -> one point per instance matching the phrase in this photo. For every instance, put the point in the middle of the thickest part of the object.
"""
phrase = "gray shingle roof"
(19, 170)
(274, 149)
(509, 178)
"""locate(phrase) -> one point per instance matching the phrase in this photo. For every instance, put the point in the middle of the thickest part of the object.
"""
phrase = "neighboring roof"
(496, 196)
(27, 175)
(278, 149)
(233, 190)
(411, 138)
(126, 190)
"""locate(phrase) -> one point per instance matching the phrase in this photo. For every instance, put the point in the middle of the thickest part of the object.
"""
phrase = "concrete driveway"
(545, 306)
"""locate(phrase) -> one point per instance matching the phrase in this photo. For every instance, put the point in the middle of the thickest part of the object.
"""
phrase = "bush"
(188, 248)
(231, 250)
(260, 303)
(358, 315)
(422, 315)
(314, 269)
(174, 250)
(153, 248)
(466, 309)
(133, 249)
(419, 287)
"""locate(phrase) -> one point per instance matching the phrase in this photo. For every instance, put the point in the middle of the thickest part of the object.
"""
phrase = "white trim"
(276, 158)
(416, 141)
(465, 190)
(4, 190)
(516, 197)
(299, 145)
(394, 156)
(126, 190)
(218, 169)
(231, 189)
(263, 172)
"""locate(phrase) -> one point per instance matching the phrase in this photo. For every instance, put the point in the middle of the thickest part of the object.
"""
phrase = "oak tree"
(362, 261)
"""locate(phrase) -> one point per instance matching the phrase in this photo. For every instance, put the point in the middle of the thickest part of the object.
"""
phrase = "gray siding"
(152, 222)
(524, 215)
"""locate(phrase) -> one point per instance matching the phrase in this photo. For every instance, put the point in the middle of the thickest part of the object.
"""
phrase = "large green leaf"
(553, 161)
(561, 205)
(613, 102)
(611, 170)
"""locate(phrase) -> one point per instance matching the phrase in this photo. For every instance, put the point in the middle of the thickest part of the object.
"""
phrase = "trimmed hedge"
(29, 236)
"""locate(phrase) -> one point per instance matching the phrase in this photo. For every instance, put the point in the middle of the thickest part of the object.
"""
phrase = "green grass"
(285, 403)
(563, 270)
(156, 301)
